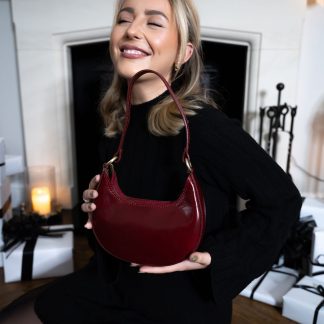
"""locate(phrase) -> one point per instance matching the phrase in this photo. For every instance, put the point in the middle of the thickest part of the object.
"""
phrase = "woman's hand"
(196, 261)
(88, 206)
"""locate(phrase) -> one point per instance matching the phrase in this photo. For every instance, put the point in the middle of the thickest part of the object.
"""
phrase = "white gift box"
(317, 254)
(14, 164)
(51, 257)
(273, 286)
(300, 305)
(5, 210)
(315, 208)
(1, 244)
(2, 161)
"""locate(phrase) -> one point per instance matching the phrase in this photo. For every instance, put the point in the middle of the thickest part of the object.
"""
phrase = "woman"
(163, 35)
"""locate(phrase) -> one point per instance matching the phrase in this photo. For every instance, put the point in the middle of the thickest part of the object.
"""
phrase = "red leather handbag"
(148, 232)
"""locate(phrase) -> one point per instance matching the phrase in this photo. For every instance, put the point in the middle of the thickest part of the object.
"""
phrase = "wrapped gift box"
(14, 164)
(272, 286)
(315, 208)
(2, 161)
(1, 244)
(317, 254)
(5, 210)
(45, 257)
(300, 304)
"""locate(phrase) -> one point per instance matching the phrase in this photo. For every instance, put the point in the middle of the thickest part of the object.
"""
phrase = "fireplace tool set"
(277, 123)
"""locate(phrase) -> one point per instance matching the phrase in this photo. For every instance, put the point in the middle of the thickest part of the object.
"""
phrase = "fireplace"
(225, 76)
(46, 32)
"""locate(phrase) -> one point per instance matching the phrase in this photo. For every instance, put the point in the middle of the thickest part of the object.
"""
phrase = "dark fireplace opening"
(225, 76)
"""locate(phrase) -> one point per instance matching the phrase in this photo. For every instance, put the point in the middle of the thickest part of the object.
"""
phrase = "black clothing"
(242, 246)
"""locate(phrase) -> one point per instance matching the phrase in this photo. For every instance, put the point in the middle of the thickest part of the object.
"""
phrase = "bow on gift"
(22, 228)
(26, 229)
(297, 249)
(318, 290)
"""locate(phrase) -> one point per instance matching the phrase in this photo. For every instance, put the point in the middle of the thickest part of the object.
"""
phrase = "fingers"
(90, 194)
(181, 266)
(202, 258)
(197, 261)
(88, 207)
(94, 182)
(88, 224)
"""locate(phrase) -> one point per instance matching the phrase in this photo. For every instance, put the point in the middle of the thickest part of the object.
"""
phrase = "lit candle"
(41, 200)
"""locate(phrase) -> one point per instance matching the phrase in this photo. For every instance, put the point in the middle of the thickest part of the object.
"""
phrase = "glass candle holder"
(41, 190)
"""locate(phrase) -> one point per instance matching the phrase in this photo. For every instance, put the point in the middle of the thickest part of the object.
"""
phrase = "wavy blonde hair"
(164, 119)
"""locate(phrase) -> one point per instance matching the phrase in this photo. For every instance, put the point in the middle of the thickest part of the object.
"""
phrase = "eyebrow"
(147, 12)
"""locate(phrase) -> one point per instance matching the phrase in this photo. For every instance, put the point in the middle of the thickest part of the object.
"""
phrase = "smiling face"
(145, 36)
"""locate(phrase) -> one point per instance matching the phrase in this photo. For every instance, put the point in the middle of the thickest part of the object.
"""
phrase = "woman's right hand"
(88, 206)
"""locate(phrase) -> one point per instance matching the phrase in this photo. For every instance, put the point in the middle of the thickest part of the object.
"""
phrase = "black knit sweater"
(226, 159)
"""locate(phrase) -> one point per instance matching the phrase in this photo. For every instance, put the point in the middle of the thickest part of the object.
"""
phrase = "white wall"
(310, 123)
(41, 25)
(11, 127)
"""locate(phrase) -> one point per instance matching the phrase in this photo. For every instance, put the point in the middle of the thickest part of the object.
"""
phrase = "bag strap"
(118, 155)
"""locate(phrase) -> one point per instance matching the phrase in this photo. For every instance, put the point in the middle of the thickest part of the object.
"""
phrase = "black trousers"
(85, 297)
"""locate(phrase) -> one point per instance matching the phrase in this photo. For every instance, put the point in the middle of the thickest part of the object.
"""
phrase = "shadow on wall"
(316, 153)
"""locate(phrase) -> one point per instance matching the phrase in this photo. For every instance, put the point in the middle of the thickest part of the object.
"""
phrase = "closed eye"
(123, 21)
(155, 24)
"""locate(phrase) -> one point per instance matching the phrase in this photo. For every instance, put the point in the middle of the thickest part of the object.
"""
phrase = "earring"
(177, 66)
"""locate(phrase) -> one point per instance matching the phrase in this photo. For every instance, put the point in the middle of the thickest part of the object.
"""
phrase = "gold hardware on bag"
(188, 164)
(109, 165)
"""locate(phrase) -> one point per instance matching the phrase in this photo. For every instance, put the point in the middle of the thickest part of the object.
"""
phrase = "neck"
(146, 90)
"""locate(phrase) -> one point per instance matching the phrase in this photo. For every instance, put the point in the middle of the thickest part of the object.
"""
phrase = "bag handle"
(118, 154)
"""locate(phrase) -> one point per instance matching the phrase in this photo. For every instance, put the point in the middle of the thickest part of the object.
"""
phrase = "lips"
(133, 52)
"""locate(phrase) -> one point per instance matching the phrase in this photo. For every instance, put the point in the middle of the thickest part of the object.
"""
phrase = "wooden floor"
(245, 311)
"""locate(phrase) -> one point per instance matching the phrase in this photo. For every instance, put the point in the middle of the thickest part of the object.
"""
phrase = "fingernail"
(193, 258)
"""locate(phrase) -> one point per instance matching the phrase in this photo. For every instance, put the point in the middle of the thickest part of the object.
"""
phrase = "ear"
(188, 53)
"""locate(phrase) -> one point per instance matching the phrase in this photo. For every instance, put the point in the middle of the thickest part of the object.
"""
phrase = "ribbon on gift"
(5, 207)
(318, 290)
(273, 269)
(26, 229)
(318, 264)
(297, 249)
(23, 227)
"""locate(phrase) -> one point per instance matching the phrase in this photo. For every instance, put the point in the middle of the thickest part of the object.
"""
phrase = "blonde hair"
(164, 119)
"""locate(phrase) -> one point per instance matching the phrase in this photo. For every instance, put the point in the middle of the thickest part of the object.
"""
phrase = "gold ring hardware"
(188, 164)
(111, 161)
(110, 164)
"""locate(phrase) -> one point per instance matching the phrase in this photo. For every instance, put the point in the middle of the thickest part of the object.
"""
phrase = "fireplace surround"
(66, 43)
(225, 75)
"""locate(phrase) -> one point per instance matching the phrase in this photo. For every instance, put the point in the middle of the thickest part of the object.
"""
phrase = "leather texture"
(142, 231)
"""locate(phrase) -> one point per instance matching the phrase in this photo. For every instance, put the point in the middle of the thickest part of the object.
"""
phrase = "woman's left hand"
(196, 261)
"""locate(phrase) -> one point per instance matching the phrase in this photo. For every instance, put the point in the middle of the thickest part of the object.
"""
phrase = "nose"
(134, 30)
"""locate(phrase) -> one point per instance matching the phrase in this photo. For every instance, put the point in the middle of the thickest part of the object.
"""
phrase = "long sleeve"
(227, 158)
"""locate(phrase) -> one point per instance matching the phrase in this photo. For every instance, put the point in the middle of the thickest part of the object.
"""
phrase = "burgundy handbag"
(148, 232)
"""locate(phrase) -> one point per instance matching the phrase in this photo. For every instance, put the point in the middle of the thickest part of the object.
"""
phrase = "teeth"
(132, 51)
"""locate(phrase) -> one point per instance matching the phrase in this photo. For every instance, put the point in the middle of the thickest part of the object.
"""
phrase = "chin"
(129, 72)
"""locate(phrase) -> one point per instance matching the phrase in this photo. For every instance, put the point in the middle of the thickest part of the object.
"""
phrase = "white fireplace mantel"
(45, 30)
